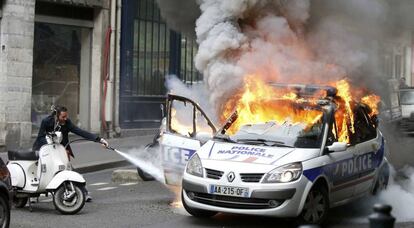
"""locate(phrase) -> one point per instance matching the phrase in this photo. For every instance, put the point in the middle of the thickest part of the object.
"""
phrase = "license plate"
(229, 191)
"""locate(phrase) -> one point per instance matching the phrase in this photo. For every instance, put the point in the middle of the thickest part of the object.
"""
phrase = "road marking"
(98, 184)
(106, 188)
(129, 184)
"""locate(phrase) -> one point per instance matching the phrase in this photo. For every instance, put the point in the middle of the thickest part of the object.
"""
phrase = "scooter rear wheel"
(68, 200)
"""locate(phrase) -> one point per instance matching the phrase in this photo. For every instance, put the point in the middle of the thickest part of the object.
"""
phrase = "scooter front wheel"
(69, 198)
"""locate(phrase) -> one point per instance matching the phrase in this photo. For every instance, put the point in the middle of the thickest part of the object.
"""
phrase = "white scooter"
(48, 172)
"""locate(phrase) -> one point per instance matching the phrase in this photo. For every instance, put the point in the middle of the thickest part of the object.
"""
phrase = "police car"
(270, 169)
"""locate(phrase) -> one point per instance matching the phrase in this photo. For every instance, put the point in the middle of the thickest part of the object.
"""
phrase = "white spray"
(148, 162)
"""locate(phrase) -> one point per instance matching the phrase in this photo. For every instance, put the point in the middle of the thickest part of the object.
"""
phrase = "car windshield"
(286, 134)
(407, 97)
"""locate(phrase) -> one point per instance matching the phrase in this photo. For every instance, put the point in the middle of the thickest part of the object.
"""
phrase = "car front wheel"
(316, 206)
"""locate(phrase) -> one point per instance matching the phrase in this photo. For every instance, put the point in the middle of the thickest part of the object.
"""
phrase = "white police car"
(270, 169)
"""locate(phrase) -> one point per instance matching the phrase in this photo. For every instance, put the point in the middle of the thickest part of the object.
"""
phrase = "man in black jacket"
(59, 121)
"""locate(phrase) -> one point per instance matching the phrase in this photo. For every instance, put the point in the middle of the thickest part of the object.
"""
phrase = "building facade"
(105, 60)
(51, 54)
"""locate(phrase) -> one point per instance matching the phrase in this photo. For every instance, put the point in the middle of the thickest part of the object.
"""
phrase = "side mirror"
(337, 147)
(203, 137)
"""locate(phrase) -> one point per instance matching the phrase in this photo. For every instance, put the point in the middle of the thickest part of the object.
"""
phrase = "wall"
(16, 32)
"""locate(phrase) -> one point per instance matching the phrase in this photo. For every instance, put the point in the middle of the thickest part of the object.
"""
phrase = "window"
(60, 70)
(150, 50)
(364, 129)
(187, 119)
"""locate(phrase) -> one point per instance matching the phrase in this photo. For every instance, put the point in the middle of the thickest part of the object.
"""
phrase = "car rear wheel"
(382, 180)
(316, 206)
(197, 212)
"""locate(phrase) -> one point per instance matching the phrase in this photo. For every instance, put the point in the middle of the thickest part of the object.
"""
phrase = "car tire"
(4, 212)
(197, 212)
(316, 206)
(20, 202)
(144, 175)
(382, 181)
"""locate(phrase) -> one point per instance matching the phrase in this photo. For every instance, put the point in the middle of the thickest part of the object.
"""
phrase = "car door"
(187, 128)
(367, 144)
(337, 168)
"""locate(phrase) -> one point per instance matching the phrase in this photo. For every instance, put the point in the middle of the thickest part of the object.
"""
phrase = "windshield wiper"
(265, 142)
(224, 138)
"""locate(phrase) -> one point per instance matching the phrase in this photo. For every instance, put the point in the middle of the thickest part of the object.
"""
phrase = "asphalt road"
(147, 204)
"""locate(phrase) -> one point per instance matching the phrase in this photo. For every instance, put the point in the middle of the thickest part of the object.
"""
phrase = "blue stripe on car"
(348, 169)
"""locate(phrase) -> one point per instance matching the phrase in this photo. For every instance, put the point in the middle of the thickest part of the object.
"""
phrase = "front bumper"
(277, 200)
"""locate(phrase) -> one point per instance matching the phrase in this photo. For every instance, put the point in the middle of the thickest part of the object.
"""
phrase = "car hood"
(246, 153)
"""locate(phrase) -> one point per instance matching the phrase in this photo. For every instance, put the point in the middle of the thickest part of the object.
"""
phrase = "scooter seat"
(27, 155)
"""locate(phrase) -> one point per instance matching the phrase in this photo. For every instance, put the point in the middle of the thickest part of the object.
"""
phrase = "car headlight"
(194, 166)
(284, 174)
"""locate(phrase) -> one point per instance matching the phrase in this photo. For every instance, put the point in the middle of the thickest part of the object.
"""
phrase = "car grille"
(251, 177)
(232, 201)
(214, 174)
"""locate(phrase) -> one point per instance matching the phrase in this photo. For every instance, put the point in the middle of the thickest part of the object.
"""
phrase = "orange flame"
(259, 102)
(372, 101)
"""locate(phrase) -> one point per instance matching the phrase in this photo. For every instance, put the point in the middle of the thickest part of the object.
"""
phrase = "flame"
(344, 116)
(259, 102)
(176, 190)
(372, 101)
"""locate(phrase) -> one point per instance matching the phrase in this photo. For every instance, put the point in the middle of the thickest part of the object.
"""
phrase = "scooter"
(49, 171)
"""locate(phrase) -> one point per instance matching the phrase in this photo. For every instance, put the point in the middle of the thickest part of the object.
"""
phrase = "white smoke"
(195, 92)
(400, 195)
(263, 38)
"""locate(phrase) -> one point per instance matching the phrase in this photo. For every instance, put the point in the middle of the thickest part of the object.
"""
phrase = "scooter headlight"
(284, 174)
(194, 166)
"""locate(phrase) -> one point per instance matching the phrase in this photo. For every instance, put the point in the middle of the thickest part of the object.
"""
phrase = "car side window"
(364, 130)
(188, 120)
(202, 125)
(182, 118)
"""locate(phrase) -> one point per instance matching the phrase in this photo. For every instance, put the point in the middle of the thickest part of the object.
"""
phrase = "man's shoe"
(88, 198)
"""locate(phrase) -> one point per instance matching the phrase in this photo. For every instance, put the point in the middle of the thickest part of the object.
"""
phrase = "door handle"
(375, 147)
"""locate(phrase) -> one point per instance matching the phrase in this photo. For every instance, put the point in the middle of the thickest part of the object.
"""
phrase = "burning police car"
(316, 153)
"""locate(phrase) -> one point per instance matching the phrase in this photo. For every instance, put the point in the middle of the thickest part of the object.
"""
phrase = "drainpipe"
(117, 67)
(110, 89)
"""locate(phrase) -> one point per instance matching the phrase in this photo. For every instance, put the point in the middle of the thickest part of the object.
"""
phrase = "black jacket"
(48, 125)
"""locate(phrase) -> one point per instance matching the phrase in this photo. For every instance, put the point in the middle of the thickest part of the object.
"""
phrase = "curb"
(125, 176)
